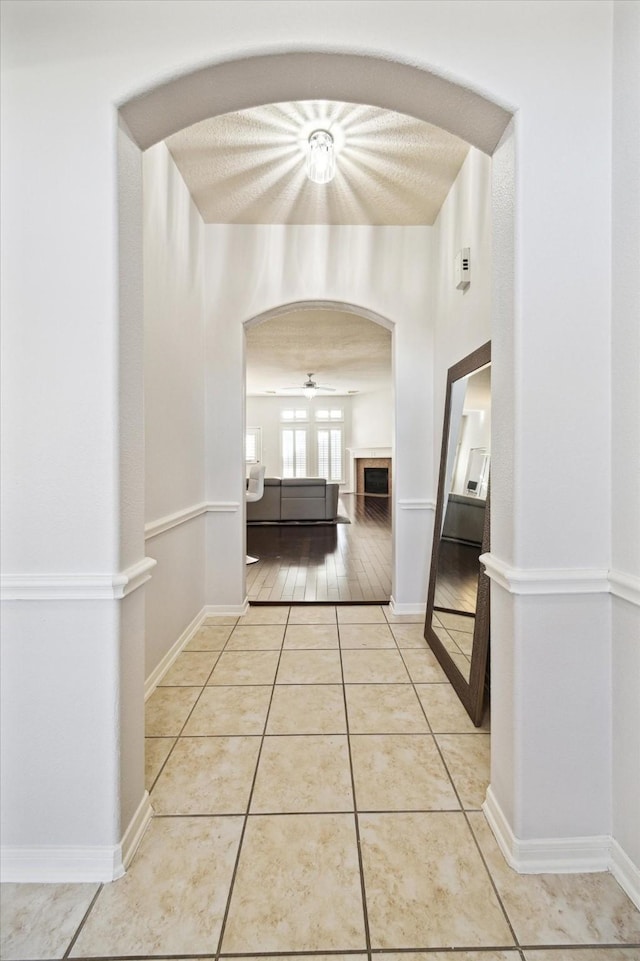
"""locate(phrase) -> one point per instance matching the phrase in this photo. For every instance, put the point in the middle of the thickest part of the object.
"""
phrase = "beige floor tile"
(307, 709)
(456, 622)
(313, 899)
(168, 708)
(303, 775)
(210, 637)
(156, 752)
(173, 897)
(313, 614)
(444, 711)
(265, 615)
(309, 667)
(423, 667)
(468, 760)
(310, 636)
(463, 664)
(559, 908)
(306, 957)
(464, 641)
(400, 772)
(189, 669)
(360, 614)
(223, 620)
(230, 710)
(207, 775)
(384, 709)
(366, 636)
(256, 637)
(585, 954)
(39, 920)
(371, 667)
(245, 667)
(409, 635)
(448, 956)
(426, 884)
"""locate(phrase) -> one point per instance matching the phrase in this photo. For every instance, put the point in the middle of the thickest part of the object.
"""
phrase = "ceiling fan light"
(310, 392)
(321, 157)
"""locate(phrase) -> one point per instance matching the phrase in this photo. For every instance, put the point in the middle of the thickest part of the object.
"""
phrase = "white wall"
(380, 270)
(372, 416)
(64, 406)
(625, 390)
(174, 401)
(462, 318)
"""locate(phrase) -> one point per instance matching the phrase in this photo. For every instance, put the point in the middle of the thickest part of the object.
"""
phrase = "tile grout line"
(462, 807)
(75, 937)
(367, 931)
(248, 808)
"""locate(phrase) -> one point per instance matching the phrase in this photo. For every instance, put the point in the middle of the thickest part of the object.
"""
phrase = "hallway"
(317, 789)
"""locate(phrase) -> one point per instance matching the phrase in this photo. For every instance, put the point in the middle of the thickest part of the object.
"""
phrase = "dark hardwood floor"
(337, 563)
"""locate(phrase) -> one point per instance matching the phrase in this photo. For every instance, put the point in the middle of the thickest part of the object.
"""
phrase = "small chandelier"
(321, 157)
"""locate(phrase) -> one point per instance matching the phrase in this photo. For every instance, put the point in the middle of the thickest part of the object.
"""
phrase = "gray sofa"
(295, 499)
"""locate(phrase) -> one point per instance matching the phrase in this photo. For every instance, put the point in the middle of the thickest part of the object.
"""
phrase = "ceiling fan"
(310, 388)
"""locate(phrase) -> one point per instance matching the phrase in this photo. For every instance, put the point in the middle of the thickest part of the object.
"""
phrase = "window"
(294, 452)
(253, 445)
(332, 414)
(290, 414)
(329, 447)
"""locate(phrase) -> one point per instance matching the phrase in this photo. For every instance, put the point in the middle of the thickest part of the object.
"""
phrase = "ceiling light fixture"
(321, 157)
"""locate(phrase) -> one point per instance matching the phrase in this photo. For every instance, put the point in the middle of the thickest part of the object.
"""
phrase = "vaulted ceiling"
(249, 168)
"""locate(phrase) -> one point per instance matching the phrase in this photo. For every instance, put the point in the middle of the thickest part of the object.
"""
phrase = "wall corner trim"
(626, 586)
(49, 864)
(76, 587)
(417, 504)
(519, 580)
(400, 609)
(572, 855)
(575, 855)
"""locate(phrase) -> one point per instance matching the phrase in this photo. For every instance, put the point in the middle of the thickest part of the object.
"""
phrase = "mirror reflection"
(465, 490)
(457, 621)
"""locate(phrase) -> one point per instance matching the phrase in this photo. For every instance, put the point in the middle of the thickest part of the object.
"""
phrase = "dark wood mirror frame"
(472, 692)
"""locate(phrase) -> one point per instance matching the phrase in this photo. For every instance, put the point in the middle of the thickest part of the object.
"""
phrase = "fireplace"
(376, 480)
(373, 476)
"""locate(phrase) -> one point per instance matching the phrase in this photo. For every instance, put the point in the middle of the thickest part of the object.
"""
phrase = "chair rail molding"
(76, 587)
(169, 521)
(519, 580)
(416, 504)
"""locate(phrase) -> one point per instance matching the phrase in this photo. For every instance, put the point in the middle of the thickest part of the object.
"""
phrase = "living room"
(320, 543)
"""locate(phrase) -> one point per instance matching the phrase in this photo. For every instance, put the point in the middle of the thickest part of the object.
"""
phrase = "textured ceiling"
(341, 350)
(247, 167)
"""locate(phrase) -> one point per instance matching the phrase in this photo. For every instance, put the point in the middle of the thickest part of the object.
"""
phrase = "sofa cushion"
(304, 487)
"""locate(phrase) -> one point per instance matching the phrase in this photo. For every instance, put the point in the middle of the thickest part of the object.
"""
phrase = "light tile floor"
(317, 790)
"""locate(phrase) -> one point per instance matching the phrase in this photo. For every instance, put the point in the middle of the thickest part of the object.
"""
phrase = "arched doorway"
(356, 345)
(152, 116)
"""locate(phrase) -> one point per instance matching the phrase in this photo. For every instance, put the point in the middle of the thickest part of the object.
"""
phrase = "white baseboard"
(134, 833)
(626, 873)
(227, 610)
(396, 608)
(211, 610)
(578, 855)
(161, 669)
(50, 864)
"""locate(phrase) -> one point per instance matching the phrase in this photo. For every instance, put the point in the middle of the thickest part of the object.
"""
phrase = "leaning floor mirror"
(457, 621)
